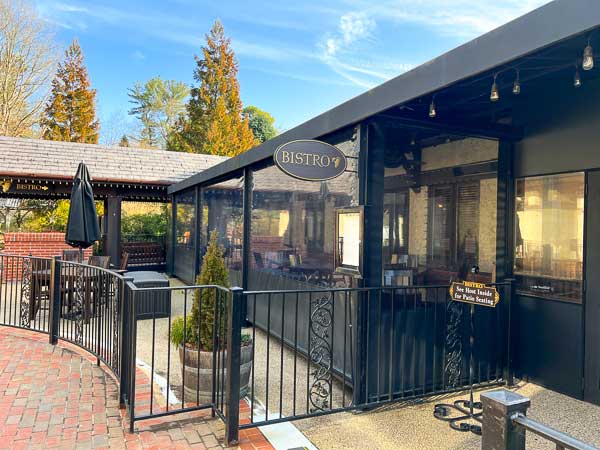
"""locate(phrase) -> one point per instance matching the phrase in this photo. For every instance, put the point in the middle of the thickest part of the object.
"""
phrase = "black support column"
(505, 225)
(371, 190)
(113, 229)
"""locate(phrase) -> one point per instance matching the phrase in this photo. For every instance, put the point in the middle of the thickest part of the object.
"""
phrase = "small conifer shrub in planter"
(197, 359)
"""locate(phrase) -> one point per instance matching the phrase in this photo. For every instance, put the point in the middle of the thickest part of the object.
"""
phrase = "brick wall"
(43, 245)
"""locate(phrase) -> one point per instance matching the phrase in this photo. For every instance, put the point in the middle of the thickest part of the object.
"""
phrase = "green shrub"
(213, 272)
(177, 335)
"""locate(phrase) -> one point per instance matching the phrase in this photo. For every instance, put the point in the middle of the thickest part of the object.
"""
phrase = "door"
(591, 391)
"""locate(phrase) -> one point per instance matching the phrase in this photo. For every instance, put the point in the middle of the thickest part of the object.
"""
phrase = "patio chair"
(123, 266)
(71, 255)
(99, 261)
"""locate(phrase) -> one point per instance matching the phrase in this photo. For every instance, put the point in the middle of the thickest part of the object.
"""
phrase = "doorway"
(592, 297)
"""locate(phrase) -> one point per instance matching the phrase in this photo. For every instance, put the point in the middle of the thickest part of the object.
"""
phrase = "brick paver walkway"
(56, 397)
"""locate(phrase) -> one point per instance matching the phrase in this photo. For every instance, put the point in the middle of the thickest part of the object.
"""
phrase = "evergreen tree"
(124, 141)
(214, 122)
(261, 123)
(70, 114)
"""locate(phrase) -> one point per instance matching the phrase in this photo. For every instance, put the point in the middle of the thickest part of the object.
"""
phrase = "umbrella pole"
(81, 255)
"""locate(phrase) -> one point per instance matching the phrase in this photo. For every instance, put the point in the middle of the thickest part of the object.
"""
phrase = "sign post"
(475, 294)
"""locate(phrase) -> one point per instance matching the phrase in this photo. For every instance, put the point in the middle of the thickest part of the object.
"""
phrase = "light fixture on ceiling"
(588, 57)
(517, 84)
(577, 78)
(495, 94)
(432, 111)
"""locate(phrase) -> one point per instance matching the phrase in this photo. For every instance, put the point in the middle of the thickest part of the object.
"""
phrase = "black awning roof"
(531, 33)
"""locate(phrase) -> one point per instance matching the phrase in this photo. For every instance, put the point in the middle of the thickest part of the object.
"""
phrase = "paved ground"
(56, 397)
(413, 427)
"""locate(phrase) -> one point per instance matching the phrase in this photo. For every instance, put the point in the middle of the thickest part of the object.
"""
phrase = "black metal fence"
(294, 354)
(192, 376)
(327, 350)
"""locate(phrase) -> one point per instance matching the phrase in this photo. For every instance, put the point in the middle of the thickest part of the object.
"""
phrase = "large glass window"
(549, 236)
(441, 220)
(293, 227)
(223, 212)
(185, 223)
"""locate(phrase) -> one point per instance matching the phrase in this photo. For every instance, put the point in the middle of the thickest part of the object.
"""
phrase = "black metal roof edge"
(547, 25)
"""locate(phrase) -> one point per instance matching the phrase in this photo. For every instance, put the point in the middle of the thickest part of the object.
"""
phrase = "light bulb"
(494, 94)
(588, 58)
(577, 79)
(432, 112)
(517, 85)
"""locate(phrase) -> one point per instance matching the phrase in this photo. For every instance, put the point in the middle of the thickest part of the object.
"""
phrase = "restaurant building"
(483, 163)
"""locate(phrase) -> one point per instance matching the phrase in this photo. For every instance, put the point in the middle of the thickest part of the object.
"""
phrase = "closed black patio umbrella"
(82, 225)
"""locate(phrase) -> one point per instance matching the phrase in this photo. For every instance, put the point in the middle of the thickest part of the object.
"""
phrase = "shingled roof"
(58, 160)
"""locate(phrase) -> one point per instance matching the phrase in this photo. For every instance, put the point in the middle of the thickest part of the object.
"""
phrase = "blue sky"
(296, 58)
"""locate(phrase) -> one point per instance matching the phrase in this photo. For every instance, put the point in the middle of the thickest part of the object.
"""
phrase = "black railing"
(77, 303)
(191, 379)
(314, 355)
(295, 354)
(505, 424)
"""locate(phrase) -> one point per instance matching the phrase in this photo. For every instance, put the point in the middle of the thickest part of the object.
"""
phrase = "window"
(349, 237)
(549, 236)
(395, 226)
(454, 230)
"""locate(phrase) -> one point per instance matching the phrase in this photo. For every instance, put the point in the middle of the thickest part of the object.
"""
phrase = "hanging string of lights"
(587, 63)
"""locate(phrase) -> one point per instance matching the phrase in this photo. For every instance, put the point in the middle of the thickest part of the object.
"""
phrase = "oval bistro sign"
(310, 160)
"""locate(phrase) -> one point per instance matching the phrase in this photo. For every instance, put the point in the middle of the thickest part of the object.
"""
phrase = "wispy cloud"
(345, 51)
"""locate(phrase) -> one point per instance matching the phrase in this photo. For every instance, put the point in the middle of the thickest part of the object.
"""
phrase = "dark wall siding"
(564, 136)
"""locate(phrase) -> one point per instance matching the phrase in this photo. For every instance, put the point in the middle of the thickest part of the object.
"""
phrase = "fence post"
(54, 300)
(124, 332)
(498, 430)
(509, 373)
(132, 325)
(234, 341)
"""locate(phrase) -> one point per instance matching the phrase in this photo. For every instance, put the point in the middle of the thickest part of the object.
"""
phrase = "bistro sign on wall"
(474, 293)
(310, 160)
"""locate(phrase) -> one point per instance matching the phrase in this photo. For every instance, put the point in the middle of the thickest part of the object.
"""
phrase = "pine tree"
(214, 122)
(70, 114)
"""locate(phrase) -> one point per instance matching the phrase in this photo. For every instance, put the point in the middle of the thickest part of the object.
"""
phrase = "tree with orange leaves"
(70, 114)
(214, 123)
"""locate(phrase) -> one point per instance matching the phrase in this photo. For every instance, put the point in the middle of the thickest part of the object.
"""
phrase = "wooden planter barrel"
(198, 372)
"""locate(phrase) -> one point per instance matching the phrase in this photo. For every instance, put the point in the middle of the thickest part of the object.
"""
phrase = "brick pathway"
(56, 397)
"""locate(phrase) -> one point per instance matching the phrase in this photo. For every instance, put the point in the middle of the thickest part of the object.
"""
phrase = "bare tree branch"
(27, 61)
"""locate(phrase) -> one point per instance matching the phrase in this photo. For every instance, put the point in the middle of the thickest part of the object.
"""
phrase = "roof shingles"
(51, 159)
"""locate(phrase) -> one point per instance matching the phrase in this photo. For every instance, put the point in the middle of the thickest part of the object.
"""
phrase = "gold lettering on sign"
(31, 187)
(309, 159)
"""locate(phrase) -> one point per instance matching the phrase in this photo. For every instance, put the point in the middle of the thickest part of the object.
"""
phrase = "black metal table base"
(468, 420)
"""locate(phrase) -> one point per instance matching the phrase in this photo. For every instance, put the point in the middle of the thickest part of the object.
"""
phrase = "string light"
(588, 57)
(432, 111)
(495, 94)
(516, 90)
(577, 78)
